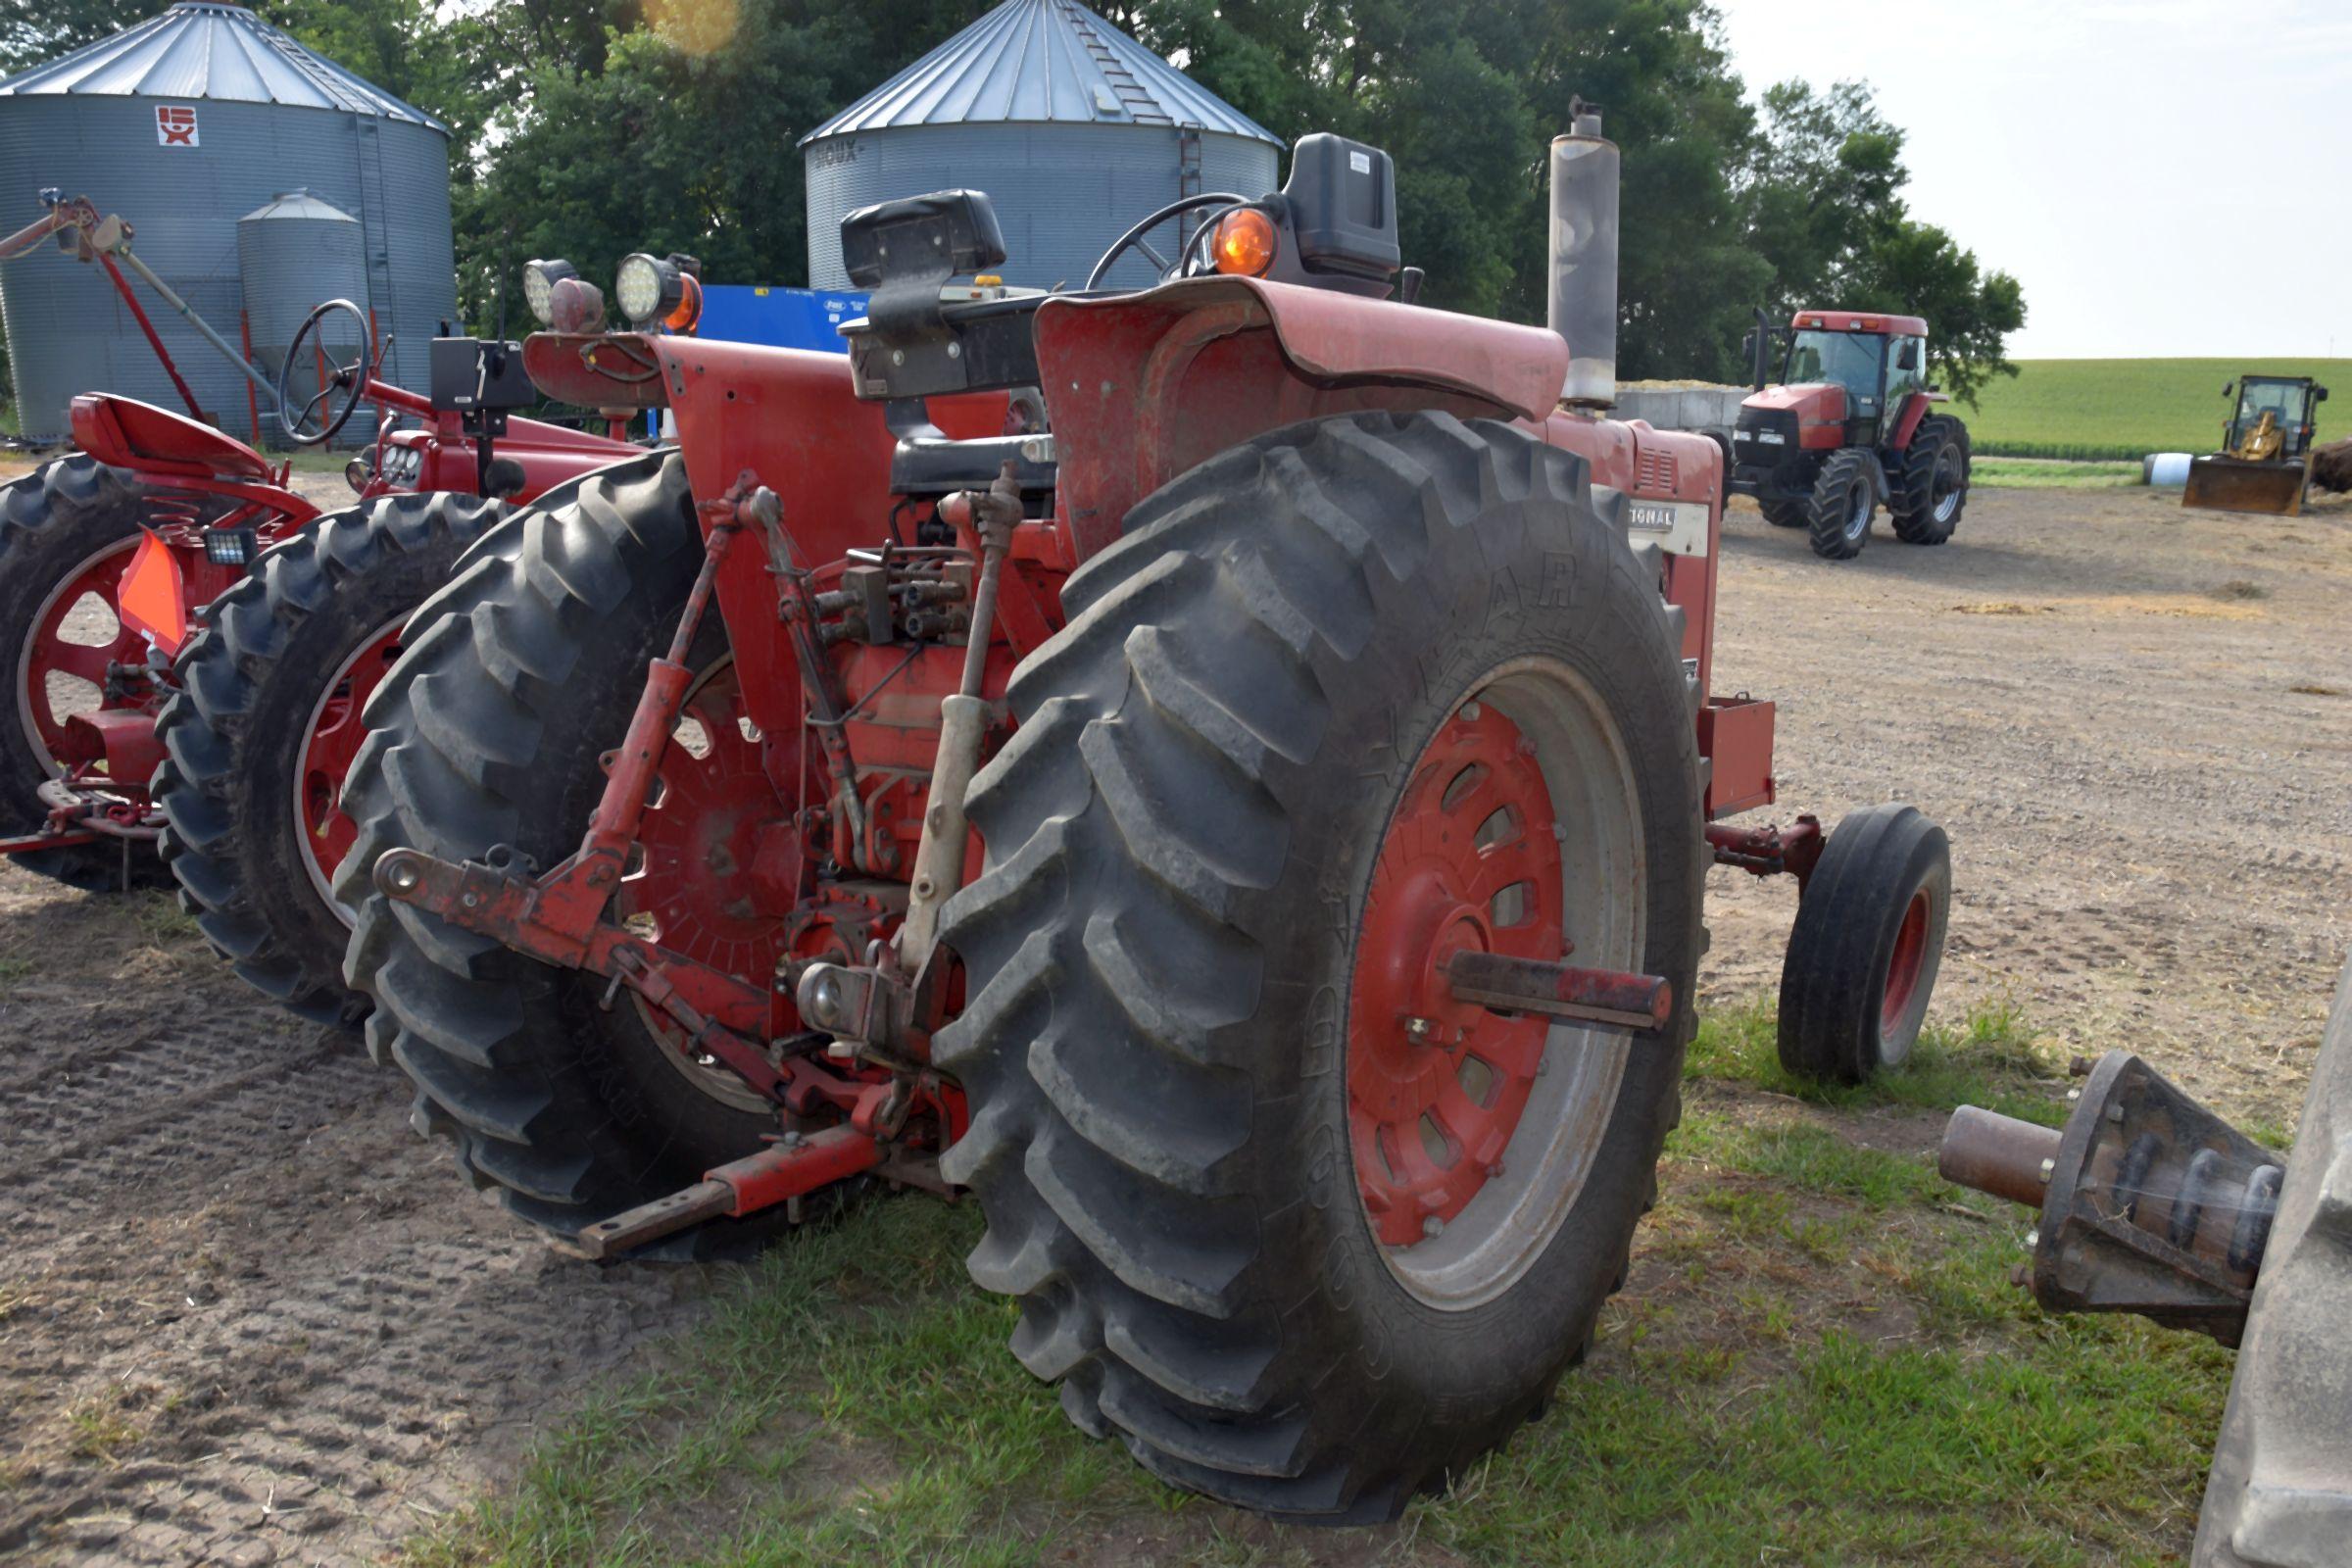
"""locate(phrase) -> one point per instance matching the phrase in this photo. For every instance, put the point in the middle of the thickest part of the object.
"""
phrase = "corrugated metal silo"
(181, 125)
(296, 249)
(1074, 129)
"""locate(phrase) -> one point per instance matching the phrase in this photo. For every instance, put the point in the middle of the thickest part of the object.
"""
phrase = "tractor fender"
(1143, 387)
(1915, 409)
(1881, 489)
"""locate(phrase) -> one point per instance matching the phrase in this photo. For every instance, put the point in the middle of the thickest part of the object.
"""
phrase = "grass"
(2124, 409)
(2043, 474)
(1819, 1358)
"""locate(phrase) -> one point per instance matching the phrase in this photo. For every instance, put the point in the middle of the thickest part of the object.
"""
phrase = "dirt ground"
(246, 1316)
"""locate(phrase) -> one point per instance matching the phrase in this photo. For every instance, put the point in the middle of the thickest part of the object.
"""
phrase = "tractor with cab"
(1224, 773)
(1848, 426)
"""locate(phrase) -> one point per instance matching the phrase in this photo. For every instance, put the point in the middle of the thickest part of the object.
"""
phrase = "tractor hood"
(1813, 401)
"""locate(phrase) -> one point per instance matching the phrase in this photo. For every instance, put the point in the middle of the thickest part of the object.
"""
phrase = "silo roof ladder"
(1188, 180)
(1137, 105)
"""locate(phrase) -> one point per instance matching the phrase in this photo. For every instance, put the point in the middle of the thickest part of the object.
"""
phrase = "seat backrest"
(129, 434)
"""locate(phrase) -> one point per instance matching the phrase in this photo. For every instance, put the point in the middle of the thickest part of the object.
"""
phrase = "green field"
(2128, 408)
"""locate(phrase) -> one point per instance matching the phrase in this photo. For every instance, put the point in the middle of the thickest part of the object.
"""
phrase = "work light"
(230, 547)
(660, 288)
(539, 280)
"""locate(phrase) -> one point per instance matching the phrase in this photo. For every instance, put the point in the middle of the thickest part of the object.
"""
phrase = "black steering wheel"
(1133, 239)
(349, 379)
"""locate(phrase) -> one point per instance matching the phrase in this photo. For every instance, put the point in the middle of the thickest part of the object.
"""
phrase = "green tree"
(33, 32)
(1826, 210)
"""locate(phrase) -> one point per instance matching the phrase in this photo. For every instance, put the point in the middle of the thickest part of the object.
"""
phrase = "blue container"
(782, 317)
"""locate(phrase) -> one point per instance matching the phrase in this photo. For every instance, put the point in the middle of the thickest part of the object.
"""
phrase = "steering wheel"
(349, 379)
(1133, 239)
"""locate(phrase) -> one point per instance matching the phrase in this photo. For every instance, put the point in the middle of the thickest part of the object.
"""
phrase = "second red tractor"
(1850, 426)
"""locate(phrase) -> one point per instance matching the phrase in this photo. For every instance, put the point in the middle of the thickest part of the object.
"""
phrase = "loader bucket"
(2232, 484)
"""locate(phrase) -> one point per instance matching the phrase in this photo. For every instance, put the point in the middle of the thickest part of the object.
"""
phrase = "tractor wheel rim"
(1857, 524)
(1947, 483)
(329, 742)
(1472, 1133)
(45, 651)
(691, 883)
(1903, 966)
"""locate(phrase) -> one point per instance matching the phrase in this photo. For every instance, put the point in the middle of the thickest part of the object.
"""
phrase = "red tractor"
(1848, 428)
(1223, 773)
(106, 554)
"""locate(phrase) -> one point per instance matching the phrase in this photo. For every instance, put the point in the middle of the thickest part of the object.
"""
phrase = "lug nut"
(1433, 1226)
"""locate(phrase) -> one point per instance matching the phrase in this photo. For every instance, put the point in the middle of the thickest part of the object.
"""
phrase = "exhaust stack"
(1582, 305)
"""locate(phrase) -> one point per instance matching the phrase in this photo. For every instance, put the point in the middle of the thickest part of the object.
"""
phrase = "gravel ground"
(245, 1316)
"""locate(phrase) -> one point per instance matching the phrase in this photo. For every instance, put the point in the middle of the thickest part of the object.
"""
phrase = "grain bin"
(292, 250)
(1073, 130)
(184, 124)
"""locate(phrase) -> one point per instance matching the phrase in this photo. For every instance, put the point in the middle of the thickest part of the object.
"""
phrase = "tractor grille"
(1752, 443)
(1654, 470)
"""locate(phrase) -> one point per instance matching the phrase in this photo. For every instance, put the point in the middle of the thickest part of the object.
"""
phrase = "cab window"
(1907, 369)
(1849, 358)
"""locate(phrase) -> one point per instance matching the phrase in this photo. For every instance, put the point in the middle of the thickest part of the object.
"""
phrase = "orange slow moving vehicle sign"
(149, 597)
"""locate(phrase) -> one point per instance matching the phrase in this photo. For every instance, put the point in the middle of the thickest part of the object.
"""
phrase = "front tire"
(1786, 513)
(1838, 514)
(267, 715)
(1182, 946)
(1865, 947)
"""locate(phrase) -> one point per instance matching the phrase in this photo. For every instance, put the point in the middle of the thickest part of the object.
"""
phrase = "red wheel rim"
(48, 652)
(1435, 1087)
(333, 740)
(1905, 966)
(701, 886)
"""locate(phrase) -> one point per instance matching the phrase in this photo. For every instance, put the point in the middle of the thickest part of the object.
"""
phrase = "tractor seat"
(126, 433)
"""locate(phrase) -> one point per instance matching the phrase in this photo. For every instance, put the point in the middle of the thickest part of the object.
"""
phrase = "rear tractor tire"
(67, 531)
(1786, 513)
(1307, 1234)
(1932, 489)
(515, 679)
(1839, 512)
(266, 722)
(1865, 947)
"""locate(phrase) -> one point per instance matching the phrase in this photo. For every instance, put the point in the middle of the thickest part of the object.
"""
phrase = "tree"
(1825, 209)
(33, 32)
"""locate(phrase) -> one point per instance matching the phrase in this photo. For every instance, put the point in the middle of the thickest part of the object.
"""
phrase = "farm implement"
(1849, 426)
(2150, 1203)
(1223, 773)
(106, 554)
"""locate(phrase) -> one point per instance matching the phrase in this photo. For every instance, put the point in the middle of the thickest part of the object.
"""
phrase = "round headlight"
(539, 280)
(647, 287)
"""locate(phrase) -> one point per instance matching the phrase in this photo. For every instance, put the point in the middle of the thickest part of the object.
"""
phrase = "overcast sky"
(2142, 166)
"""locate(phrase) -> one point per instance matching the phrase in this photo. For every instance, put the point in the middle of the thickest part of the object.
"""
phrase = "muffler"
(1582, 303)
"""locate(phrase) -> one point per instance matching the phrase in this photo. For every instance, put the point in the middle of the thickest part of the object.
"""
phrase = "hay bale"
(2332, 465)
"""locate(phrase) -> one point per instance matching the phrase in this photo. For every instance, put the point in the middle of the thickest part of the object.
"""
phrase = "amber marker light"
(1246, 242)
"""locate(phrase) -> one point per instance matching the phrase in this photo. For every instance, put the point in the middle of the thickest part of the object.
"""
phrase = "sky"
(2143, 166)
